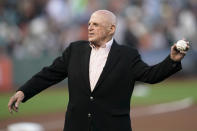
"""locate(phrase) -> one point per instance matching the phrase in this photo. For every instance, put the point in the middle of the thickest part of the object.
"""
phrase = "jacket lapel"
(84, 65)
(112, 59)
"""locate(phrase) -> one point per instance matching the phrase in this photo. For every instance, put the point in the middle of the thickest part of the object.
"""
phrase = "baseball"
(181, 45)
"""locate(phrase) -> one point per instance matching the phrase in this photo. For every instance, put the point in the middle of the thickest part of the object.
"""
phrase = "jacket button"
(91, 98)
(89, 115)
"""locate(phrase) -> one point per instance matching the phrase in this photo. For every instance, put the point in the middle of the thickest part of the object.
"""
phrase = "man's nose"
(90, 27)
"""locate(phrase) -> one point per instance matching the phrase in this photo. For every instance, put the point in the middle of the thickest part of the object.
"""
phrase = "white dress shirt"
(98, 58)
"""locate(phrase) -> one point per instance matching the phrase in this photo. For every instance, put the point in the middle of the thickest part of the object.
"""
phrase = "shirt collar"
(107, 45)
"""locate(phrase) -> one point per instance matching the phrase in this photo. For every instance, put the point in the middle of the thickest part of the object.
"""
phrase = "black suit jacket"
(107, 108)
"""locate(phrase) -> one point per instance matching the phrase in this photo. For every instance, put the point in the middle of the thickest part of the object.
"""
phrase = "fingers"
(14, 102)
(178, 55)
(173, 48)
(188, 43)
(11, 104)
(16, 105)
(188, 46)
(185, 40)
(15, 108)
(183, 52)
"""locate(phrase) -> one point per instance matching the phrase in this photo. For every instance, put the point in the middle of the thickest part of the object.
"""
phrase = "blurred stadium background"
(34, 32)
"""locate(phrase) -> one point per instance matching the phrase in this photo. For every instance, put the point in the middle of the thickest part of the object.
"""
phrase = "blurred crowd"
(30, 28)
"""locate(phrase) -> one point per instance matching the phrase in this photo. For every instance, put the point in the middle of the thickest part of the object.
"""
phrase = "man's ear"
(112, 29)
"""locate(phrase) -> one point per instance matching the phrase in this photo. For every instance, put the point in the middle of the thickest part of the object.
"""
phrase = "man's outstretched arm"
(158, 72)
(48, 76)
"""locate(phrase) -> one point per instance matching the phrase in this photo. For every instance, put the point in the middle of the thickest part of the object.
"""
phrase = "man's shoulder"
(77, 45)
(128, 49)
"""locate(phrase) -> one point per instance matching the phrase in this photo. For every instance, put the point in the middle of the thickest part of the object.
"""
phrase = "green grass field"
(56, 99)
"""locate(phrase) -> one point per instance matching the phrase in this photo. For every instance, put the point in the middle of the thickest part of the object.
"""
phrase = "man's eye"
(95, 24)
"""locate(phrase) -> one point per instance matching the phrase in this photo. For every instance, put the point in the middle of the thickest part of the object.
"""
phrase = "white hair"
(110, 16)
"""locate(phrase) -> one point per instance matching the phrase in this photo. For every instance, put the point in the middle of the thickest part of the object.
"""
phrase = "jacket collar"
(112, 59)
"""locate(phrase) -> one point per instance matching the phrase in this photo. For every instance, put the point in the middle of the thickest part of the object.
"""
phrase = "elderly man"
(101, 76)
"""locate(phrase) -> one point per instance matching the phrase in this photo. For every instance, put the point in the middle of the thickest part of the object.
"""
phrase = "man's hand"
(15, 100)
(177, 55)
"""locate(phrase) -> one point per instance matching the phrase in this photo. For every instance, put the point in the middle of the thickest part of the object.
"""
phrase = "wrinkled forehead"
(97, 17)
(103, 17)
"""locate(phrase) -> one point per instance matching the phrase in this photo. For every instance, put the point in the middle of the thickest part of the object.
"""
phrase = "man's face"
(98, 29)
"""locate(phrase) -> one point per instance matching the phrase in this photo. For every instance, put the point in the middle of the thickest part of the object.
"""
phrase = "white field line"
(50, 125)
(162, 108)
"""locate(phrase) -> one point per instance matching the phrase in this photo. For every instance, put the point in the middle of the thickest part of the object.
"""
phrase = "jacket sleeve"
(156, 73)
(48, 76)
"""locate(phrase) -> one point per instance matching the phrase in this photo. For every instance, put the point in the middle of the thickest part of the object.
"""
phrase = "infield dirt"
(181, 120)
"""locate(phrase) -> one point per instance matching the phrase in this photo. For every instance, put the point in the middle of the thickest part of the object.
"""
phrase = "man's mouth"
(91, 34)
